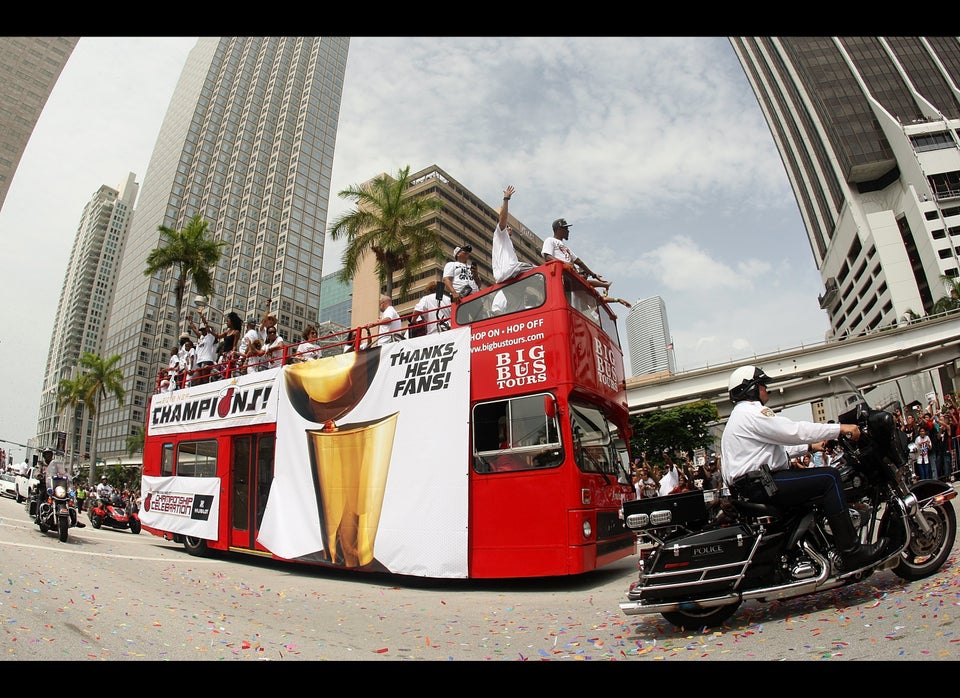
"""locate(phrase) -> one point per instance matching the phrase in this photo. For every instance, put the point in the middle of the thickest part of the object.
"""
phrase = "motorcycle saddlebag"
(684, 509)
(711, 561)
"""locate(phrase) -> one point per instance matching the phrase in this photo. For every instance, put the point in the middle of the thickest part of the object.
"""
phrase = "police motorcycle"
(703, 553)
(53, 511)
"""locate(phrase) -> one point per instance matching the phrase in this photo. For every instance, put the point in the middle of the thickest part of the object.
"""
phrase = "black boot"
(853, 553)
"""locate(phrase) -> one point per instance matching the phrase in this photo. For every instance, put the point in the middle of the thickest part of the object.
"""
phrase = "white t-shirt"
(206, 348)
(505, 261)
(461, 277)
(393, 326)
(557, 249)
(247, 341)
(428, 309)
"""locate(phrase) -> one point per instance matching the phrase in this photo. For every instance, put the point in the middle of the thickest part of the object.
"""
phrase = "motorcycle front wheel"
(928, 552)
(698, 618)
(63, 527)
(134, 527)
(96, 520)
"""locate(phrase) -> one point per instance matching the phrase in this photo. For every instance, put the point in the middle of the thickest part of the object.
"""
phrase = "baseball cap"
(561, 223)
(251, 321)
(464, 248)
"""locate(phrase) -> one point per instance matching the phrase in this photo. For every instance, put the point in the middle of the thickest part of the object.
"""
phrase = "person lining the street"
(755, 436)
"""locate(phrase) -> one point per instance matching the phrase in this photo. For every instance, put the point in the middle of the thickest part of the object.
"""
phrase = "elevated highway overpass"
(803, 375)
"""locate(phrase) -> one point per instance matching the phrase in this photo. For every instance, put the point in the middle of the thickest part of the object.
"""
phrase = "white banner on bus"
(403, 437)
(244, 400)
(187, 505)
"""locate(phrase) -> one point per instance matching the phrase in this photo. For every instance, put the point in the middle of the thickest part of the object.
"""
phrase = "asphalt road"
(111, 595)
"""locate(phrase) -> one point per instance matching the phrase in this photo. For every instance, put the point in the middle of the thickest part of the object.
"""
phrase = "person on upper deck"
(459, 275)
(555, 248)
(504, 259)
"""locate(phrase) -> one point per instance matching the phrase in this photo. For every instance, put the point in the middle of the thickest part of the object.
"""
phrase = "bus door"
(251, 472)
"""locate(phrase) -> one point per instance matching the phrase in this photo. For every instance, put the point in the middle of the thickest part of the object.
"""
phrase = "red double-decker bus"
(496, 448)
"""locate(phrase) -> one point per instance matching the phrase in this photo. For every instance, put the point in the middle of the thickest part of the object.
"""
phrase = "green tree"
(388, 223)
(192, 256)
(69, 395)
(135, 441)
(683, 428)
(951, 301)
(99, 378)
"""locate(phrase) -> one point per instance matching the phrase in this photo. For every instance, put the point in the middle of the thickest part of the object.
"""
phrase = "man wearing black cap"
(458, 275)
(555, 248)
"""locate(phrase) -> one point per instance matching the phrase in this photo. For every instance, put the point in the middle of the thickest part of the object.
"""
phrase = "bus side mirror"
(550, 406)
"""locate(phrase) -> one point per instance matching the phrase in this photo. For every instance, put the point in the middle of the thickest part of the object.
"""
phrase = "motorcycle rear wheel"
(696, 619)
(927, 553)
(134, 527)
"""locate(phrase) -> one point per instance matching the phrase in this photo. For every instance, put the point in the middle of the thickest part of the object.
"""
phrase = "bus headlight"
(587, 530)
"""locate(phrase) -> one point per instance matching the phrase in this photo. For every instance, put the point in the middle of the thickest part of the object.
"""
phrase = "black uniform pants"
(801, 486)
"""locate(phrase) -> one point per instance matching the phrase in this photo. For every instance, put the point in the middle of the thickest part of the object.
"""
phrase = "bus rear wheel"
(196, 546)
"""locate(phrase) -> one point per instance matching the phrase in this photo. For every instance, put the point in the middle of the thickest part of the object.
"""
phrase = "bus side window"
(166, 460)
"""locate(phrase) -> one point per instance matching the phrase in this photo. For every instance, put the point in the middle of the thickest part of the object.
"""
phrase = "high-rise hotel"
(247, 143)
(867, 128)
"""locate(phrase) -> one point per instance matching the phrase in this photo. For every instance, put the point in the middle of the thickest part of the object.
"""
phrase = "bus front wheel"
(196, 546)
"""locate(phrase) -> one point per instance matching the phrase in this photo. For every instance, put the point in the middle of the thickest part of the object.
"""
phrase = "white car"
(8, 485)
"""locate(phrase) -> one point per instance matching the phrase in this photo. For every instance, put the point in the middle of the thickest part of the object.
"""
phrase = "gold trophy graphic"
(349, 462)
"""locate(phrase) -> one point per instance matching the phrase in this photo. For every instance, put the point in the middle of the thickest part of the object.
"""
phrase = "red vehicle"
(494, 449)
(112, 514)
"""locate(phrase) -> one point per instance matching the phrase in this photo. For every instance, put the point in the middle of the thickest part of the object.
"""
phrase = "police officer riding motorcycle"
(757, 446)
(773, 531)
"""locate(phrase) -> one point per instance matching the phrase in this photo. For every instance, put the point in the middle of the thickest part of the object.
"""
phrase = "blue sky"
(654, 148)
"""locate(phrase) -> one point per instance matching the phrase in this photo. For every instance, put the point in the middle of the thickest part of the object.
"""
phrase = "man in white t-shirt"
(458, 276)
(556, 248)
(206, 349)
(391, 330)
(505, 262)
(429, 309)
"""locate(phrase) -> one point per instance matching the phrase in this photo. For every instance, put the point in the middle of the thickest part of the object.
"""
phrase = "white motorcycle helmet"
(745, 382)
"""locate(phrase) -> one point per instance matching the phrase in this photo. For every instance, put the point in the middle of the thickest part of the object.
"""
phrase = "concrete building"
(85, 300)
(464, 218)
(29, 68)
(867, 128)
(247, 143)
(648, 338)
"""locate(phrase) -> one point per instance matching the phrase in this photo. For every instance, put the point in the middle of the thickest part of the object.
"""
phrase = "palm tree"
(951, 301)
(135, 441)
(388, 223)
(70, 394)
(100, 378)
(191, 254)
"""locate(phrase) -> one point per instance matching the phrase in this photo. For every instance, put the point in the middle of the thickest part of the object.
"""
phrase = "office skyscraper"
(247, 143)
(85, 300)
(29, 68)
(648, 338)
(867, 128)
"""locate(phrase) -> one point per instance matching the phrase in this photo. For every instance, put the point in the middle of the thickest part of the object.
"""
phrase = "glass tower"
(648, 338)
(247, 143)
